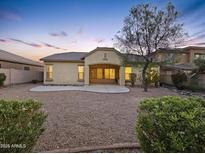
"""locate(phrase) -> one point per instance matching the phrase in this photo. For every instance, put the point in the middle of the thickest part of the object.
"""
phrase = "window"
(128, 71)
(99, 73)
(109, 73)
(80, 72)
(199, 55)
(49, 72)
(26, 68)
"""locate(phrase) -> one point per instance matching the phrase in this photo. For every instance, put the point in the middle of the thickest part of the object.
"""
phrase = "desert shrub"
(171, 124)
(179, 79)
(20, 125)
(2, 79)
(133, 77)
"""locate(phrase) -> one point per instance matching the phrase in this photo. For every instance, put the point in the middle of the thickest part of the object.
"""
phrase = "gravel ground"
(77, 118)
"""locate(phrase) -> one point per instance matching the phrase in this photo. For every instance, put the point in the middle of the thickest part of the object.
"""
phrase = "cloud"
(3, 40)
(200, 43)
(201, 24)
(81, 30)
(197, 33)
(195, 38)
(52, 46)
(34, 44)
(99, 40)
(26, 43)
(61, 34)
(73, 42)
(9, 15)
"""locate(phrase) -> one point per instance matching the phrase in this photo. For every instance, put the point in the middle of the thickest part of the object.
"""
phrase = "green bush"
(171, 124)
(20, 125)
(179, 79)
(2, 79)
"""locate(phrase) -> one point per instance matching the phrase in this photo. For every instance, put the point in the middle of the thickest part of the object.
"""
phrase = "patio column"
(122, 76)
(86, 77)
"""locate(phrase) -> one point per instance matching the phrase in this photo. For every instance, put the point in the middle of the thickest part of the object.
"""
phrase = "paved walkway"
(91, 88)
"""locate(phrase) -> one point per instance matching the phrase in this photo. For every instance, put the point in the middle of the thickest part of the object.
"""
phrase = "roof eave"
(12, 61)
(70, 61)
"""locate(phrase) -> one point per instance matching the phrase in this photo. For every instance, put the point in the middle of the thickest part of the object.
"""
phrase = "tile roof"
(10, 57)
(180, 66)
(67, 56)
(103, 49)
(79, 56)
(181, 50)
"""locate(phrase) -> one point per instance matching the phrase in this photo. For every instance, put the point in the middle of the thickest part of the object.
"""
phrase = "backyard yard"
(77, 118)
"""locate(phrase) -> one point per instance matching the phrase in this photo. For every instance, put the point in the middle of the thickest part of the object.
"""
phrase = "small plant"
(171, 124)
(133, 77)
(2, 79)
(20, 125)
(179, 79)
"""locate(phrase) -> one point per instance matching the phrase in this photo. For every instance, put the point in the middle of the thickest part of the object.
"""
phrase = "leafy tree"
(146, 29)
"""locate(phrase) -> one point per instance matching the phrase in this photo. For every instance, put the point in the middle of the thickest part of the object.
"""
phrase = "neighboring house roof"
(181, 50)
(10, 57)
(173, 50)
(67, 56)
(180, 66)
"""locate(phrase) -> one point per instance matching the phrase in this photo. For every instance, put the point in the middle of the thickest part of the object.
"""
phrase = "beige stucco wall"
(180, 57)
(165, 77)
(8, 65)
(98, 58)
(63, 73)
(202, 80)
(14, 76)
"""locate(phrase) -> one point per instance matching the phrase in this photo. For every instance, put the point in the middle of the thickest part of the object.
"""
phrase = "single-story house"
(9, 60)
(19, 69)
(102, 65)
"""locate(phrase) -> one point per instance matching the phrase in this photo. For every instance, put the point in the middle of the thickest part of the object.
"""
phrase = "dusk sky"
(37, 28)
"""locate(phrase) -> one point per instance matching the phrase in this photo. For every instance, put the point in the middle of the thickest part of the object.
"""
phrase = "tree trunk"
(144, 78)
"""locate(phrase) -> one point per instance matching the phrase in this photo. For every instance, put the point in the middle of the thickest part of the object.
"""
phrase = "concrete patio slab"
(91, 88)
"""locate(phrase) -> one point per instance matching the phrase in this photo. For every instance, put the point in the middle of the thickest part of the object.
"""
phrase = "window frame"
(199, 56)
(26, 68)
(81, 72)
(128, 73)
(47, 71)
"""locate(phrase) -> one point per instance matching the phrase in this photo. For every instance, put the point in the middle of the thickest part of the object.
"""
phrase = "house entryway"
(104, 74)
